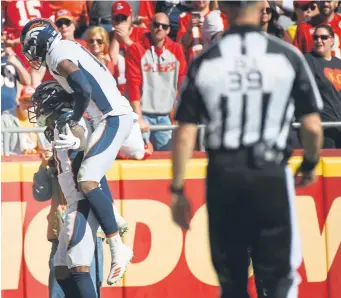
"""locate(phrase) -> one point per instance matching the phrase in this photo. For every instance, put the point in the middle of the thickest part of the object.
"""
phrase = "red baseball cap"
(26, 92)
(121, 7)
(63, 14)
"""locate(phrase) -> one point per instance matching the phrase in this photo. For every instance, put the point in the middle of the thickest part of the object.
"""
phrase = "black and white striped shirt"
(247, 88)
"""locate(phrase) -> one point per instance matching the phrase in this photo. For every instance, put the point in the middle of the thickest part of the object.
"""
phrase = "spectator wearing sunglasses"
(64, 20)
(155, 69)
(327, 72)
(97, 42)
(66, 25)
(327, 16)
(172, 8)
(124, 35)
(269, 18)
(304, 11)
(79, 11)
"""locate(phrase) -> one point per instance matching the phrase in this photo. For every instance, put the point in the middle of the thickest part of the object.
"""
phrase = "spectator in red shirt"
(123, 36)
(189, 23)
(17, 14)
(304, 10)
(146, 11)
(304, 40)
(66, 25)
(155, 69)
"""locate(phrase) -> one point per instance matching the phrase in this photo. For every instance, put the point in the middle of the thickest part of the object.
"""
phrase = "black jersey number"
(247, 89)
(252, 80)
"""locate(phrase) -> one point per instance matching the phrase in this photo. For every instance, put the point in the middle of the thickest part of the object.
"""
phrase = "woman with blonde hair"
(97, 42)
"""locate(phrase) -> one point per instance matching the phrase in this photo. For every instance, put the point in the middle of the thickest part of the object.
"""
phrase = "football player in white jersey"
(94, 90)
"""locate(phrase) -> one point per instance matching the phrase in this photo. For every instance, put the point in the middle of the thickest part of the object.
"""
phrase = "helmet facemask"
(39, 115)
(49, 101)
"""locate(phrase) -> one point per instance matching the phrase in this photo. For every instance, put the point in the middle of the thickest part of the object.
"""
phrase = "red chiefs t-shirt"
(18, 13)
(304, 36)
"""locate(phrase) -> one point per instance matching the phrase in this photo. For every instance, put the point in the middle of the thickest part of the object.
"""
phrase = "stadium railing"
(201, 135)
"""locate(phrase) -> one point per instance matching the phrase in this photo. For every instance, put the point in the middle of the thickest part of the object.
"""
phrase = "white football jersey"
(106, 99)
(66, 178)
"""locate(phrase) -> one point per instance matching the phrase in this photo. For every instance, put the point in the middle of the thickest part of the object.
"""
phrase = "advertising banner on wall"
(168, 262)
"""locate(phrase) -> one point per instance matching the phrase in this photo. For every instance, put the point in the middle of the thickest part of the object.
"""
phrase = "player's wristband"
(176, 190)
(308, 165)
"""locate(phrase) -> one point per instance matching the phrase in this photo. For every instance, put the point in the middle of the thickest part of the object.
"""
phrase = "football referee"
(246, 89)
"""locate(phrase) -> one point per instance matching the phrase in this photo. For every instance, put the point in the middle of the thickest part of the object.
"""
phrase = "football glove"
(67, 141)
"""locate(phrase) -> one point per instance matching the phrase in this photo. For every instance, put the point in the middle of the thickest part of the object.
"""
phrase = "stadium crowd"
(148, 45)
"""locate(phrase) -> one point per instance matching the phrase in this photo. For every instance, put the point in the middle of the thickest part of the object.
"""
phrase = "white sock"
(119, 219)
(114, 243)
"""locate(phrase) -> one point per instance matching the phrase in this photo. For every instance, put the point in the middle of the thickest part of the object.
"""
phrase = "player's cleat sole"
(118, 269)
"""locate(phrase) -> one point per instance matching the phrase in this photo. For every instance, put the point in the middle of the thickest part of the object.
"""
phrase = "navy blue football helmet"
(36, 39)
(50, 100)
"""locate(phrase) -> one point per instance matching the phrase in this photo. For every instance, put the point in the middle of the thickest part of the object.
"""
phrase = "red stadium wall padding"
(332, 201)
(165, 256)
(35, 273)
(310, 209)
(113, 177)
(12, 217)
(160, 265)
